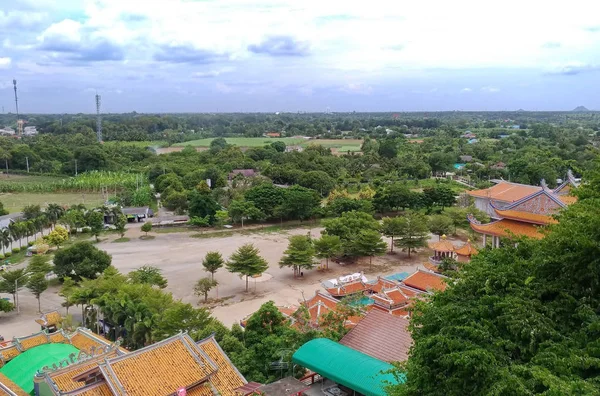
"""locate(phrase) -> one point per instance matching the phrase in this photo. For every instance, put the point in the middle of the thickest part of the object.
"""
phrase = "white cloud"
(357, 88)
(5, 62)
(489, 89)
(466, 90)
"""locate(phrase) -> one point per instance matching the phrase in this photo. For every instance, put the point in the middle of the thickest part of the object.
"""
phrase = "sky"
(291, 55)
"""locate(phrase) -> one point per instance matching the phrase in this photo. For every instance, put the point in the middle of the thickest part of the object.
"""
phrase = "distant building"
(30, 130)
(498, 166)
(7, 131)
(137, 214)
(466, 158)
(243, 172)
(468, 135)
(273, 134)
(290, 149)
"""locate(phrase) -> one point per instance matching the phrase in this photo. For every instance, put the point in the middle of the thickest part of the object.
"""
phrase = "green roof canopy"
(24, 366)
(346, 366)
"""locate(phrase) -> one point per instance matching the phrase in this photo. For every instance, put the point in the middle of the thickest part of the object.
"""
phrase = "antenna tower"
(19, 121)
(98, 118)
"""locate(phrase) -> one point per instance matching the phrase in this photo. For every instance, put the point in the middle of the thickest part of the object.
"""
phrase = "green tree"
(38, 284)
(5, 239)
(148, 275)
(265, 197)
(246, 261)
(67, 291)
(392, 227)
(31, 212)
(328, 246)
(40, 264)
(6, 306)
(440, 225)
(221, 218)
(348, 226)
(3, 211)
(239, 210)
(202, 204)
(299, 254)
(120, 223)
(57, 237)
(54, 212)
(81, 260)
(12, 281)
(299, 203)
(319, 181)
(176, 201)
(95, 220)
(278, 146)
(413, 232)
(212, 262)
(368, 243)
(147, 227)
(203, 286)
(393, 197)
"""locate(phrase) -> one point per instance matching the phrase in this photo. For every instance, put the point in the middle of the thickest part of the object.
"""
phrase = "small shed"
(137, 214)
(288, 386)
(243, 172)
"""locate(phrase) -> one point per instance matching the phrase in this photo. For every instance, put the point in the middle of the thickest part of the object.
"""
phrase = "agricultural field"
(341, 145)
(94, 181)
(142, 144)
(14, 202)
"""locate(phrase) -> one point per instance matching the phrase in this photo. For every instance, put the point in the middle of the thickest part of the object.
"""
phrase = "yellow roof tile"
(526, 216)
(33, 341)
(7, 385)
(58, 337)
(505, 191)
(160, 369)
(9, 352)
(466, 250)
(63, 378)
(227, 378)
(99, 389)
(505, 227)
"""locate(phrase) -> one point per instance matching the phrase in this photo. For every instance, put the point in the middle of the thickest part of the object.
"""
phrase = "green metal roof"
(346, 366)
(23, 367)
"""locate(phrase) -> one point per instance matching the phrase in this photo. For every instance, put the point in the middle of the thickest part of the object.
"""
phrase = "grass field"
(29, 179)
(342, 145)
(16, 202)
(142, 144)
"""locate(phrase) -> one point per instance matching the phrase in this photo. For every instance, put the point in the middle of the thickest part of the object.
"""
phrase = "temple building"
(520, 210)
(443, 249)
(83, 363)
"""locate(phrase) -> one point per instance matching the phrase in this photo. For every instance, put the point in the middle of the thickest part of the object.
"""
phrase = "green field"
(142, 144)
(243, 142)
(26, 179)
(16, 202)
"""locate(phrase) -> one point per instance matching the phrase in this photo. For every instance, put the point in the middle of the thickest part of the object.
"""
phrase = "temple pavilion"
(443, 249)
(520, 210)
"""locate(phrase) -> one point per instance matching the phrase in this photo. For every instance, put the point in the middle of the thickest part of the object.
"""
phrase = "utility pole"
(75, 167)
(27, 160)
(98, 118)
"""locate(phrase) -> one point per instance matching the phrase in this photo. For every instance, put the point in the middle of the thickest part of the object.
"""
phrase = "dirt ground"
(179, 256)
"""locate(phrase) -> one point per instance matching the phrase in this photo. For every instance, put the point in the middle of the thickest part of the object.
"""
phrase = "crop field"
(142, 144)
(342, 145)
(14, 202)
(90, 181)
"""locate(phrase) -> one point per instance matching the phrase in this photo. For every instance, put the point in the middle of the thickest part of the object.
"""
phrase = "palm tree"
(54, 212)
(31, 228)
(5, 239)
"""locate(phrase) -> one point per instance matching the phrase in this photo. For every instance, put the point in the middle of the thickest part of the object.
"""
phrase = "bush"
(7, 254)
(1, 256)
(16, 250)
(30, 243)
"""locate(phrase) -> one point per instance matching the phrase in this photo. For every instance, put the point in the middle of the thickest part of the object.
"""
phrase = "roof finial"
(444, 236)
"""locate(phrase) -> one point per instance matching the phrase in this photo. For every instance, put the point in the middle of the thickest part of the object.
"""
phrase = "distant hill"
(520, 111)
(580, 109)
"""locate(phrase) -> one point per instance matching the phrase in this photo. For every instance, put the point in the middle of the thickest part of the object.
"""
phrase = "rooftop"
(508, 228)
(526, 217)
(466, 250)
(443, 245)
(426, 281)
(380, 335)
(284, 387)
(505, 191)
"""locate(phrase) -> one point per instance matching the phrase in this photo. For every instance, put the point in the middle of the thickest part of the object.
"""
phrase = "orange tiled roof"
(426, 281)
(201, 390)
(227, 378)
(526, 216)
(85, 340)
(567, 199)
(287, 311)
(48, 319)
(33, 341)
(505, 191)
(6, 386)
(159, 369)
(64, 378)
(381, 284)
(347, 289)
(9, 352)
(58, 337)
(100, 389)
(466, 250)
(443, 245)
(505, 228)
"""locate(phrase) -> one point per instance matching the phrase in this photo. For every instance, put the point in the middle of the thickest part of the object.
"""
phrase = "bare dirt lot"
(179, 256)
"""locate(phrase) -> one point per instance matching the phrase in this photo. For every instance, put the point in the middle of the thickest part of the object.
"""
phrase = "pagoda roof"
(526, 217)
(507, 228)
(426, 281)
(382, 283)
(542, 191)
(443, 245)
(48, 319)
(466, 250)
(347, 289)
(567, 199)
(506, 191)
(227, 378)
(9, 388)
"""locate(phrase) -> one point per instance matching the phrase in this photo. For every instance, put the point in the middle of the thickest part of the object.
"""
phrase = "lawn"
(424, 183)
(14, 202)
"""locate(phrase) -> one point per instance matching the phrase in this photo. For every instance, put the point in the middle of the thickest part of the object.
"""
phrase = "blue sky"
(288, 55)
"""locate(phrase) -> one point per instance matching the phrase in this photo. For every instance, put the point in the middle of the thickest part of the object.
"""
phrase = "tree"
(54, 212)
(340, 205)
(5, 239)
(176, 201)
(392, 227)
(203, 286)
(57, 237)
(12, 281)
(149, 275)
(247, 262)
(81, 260)
(279, 146)
(39, 264)
(413, 232)
(393, 197)
(73, 219)
(67, 291)
(95, 221)
(120, 223)
(38, 284)
(202, 204)
(212, 262)
(147, 227)
(31, 212)
(299, 203)
(348, 226)
(265, 197)
(239, 210)
(221, 218)
(440, 225)
(317, 180)
(388, 148)
(440, 195)
(368, 243)
(299, 254)
(328, 246)
(3, 211)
